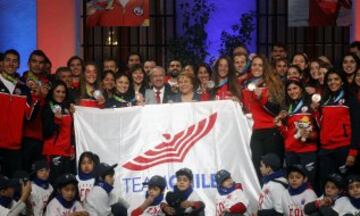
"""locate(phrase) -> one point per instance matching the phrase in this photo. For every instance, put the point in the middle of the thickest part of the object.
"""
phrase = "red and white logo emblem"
(138, 11)
(175, 148)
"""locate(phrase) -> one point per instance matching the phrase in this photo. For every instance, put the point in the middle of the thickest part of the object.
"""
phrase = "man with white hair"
(160, 92)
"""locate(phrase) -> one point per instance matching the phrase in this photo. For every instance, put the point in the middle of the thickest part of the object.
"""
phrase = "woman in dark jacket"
(108, 83)
(138, 82)
(187, 93)
(355, 117)
(122, 96)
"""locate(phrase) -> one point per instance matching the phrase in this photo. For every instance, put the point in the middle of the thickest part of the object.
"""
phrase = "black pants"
(265, 141)
(355, 170)
(10, 161)
(308, 160)
(332, 161)
(31, 152)
(60, 165)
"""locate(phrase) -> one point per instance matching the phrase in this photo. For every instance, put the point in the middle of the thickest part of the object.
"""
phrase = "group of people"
(305, 112)
(91, 193)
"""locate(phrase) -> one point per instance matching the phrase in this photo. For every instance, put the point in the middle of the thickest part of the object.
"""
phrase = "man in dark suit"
(160, 92)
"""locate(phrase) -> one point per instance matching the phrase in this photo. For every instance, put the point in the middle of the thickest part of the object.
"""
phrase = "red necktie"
(158, 99)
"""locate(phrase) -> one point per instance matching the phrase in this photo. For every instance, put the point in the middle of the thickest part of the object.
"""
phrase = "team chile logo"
(138, 11)
(175, 148)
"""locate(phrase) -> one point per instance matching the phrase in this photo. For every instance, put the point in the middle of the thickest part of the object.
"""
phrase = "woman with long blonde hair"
(262, 96)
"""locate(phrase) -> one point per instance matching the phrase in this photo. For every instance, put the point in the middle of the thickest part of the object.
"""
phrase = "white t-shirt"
(98, 202)
(343, 206)
(15, 209)
(153, 211)
(55, 208)
(85, 187)
(294, 205)
(193, 197)
(9, 85)
(39, 198)
(270, 195)
(229, 200)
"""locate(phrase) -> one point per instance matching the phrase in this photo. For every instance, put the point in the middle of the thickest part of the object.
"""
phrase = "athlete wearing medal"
(16, 104)
(299, 119)
(337, 153)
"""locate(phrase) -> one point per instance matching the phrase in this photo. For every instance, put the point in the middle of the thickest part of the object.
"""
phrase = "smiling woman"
(138, 79)
(225, 79)
(337, 152)
(187, 83)
(262, 96)
(122, 96)
(350, 63)
(297, 126)
(57, 129)
(89, 87)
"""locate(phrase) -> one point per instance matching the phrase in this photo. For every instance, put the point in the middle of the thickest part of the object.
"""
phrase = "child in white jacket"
(101, 201)
(41, 187)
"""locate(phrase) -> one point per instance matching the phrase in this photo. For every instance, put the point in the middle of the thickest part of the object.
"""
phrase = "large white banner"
(160, 139)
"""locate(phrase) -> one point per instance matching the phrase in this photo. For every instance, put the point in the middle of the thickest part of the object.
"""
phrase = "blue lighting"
(226, 14)
(18, 28)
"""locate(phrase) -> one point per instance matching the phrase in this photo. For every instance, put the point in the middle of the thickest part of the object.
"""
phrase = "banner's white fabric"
(160, 139)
